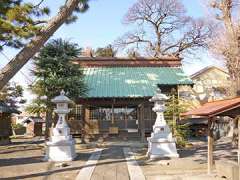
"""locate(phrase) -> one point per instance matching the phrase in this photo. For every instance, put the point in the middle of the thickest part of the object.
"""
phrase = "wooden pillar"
(238, 140)
(83, 116)
(142, 123)
(178, 99)
(87, 123)
(112, 118)
(210, 145)
(139, 120)
(125, 118)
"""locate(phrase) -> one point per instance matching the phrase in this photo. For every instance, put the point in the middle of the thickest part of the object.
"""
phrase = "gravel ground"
(192, 164)
(23, 159)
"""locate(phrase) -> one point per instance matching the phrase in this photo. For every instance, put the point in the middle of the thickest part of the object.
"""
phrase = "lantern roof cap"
(159, 96)
(61, 98)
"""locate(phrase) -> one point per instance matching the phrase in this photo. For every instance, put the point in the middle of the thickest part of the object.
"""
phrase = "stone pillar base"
(159, 149)
(62, 151)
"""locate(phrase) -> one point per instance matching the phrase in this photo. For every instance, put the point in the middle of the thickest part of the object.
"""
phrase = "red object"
(214, 108)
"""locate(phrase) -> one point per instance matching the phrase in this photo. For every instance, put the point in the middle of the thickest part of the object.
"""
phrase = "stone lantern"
(61, 146)
(161, 143)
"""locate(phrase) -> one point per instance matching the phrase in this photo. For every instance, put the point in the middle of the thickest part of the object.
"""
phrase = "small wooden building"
(117, 101)
(34, 125)
(212, 110)
(5, 122)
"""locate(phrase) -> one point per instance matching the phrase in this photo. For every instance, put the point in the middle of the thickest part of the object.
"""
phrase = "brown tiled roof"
(215, 108)
(168, 61)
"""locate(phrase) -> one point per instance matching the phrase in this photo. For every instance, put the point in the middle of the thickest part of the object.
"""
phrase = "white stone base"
(158, 149)
(61, 151)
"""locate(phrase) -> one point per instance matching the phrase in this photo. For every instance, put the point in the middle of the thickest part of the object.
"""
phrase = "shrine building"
(119, 89)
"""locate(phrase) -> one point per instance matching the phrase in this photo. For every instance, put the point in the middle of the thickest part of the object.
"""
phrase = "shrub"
(17, 126)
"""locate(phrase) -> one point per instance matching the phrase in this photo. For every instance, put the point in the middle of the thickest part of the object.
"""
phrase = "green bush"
(180, 132)
(174, 107)
(17, 126)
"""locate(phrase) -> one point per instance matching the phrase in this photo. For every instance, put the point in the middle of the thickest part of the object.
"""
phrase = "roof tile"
(214, 108)
(131, 81)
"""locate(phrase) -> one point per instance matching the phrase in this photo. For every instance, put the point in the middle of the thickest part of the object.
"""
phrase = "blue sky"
(101, 25)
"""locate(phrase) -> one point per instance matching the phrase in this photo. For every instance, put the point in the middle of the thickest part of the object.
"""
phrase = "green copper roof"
(131, 81)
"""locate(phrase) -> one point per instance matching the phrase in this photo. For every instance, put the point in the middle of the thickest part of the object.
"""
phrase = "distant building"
(34, 125)
(19, 118)
(210, 84)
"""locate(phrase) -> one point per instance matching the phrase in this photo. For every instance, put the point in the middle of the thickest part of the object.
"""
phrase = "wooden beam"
(107, 102)
(210, 145)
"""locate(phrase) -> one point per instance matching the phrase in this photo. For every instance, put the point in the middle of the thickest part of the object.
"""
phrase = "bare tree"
(227, 37)
(228, 46)
(38, 41)
(163, 28)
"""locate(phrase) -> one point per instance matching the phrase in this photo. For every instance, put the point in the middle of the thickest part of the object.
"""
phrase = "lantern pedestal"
(61, 146)
(161, 143)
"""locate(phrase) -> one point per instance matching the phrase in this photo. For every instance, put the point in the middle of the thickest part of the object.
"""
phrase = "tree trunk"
(36, 43)
(48, 123)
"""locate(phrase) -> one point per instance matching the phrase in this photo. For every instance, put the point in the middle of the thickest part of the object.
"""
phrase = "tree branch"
(37, 42)
(161, 20)
(38, 4)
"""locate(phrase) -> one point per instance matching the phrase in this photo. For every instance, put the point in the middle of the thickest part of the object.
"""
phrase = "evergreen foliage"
(55, 72)
(176, 106)
(36, 107)
(12, 94)
(19, 21)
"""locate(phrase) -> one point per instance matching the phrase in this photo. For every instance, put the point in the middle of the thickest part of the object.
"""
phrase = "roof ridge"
(90, 58)
(206, 69)
(227, 99)
(112, 62)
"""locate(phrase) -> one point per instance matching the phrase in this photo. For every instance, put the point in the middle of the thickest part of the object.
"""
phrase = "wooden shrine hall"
(119, 89)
